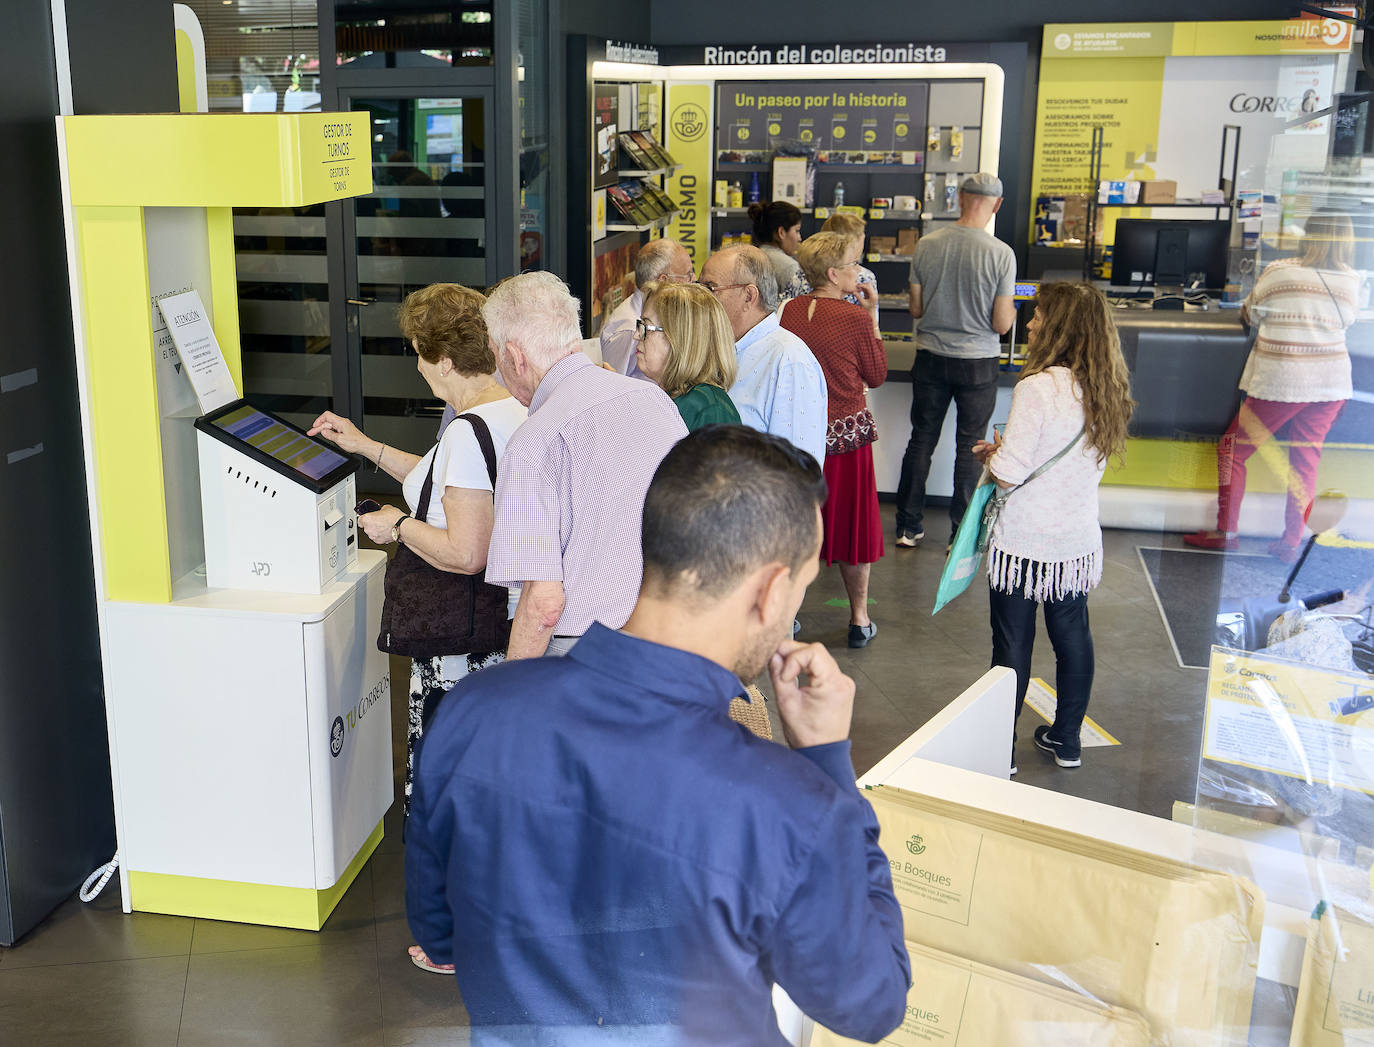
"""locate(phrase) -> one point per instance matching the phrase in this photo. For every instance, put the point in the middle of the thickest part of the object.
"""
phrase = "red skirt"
(853, 528)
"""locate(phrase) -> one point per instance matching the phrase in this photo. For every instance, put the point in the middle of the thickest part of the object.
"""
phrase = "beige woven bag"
(752, 714)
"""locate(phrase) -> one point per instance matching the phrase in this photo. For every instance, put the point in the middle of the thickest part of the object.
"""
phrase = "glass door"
(427, 220)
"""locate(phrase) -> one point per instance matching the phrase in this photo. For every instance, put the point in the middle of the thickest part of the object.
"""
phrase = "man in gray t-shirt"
(961, 294)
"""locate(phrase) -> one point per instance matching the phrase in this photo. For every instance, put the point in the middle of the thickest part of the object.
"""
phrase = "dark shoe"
(910, 539)
(859, 635)
(1283, 552)
(1213, 540)
(1063, 756)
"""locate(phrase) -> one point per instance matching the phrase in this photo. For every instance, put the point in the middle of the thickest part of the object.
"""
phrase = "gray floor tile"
(80, 933)
(454, 1036)
(314, 996)
(121, 1003)
(351, 922)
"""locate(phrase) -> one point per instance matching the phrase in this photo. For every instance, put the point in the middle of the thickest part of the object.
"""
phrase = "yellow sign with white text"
(687, 135)
(1290, 719)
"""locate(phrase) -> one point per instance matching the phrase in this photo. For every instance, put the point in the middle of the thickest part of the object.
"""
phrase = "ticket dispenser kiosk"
(277, 504)
(247, 703)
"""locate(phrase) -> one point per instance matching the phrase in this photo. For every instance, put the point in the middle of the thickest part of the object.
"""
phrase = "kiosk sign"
(336, 156)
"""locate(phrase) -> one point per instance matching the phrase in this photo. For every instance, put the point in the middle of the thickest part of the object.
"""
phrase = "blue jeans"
(935, 381)
(1013, 637)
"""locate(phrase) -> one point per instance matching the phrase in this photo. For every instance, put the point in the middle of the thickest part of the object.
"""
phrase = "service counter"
(1185, 367)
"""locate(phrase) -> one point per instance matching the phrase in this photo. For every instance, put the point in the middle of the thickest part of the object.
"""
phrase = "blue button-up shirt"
(780, 388)
(606, 857)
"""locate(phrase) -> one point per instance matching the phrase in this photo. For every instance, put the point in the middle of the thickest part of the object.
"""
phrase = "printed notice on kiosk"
(200, 354)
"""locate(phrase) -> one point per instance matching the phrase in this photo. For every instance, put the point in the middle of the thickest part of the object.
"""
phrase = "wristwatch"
(396, 527)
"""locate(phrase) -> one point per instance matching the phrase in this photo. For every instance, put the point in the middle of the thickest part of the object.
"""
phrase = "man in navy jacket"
(606, 856)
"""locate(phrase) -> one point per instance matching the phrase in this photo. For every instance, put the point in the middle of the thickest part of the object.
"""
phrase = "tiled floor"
(91, 974)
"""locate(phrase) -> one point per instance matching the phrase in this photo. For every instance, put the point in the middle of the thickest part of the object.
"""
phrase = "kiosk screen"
(278, 441)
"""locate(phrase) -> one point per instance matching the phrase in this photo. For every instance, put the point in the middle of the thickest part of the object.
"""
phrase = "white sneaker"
(910, 539)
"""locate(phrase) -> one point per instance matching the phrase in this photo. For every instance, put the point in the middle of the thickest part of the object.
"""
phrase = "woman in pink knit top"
(1296, 380)
(1046, 548)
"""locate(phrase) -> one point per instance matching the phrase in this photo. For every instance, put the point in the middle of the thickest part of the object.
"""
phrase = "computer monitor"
(1137, 247)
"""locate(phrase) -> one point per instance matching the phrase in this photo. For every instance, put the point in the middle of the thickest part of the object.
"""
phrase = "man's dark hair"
(725, 500)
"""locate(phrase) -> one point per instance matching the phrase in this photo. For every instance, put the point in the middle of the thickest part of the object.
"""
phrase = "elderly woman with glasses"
(684, 344)
(845, 340)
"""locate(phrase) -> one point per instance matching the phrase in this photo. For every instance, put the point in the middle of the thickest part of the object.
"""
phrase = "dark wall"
(56, 811)
(625, 20)
(728, 21)
(123, 55)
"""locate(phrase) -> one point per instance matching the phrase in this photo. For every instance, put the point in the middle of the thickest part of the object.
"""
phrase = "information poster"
(1162, 92)
(845, 121)
(188, 324)
(605, 146)
(687, 137)
(1316, 725)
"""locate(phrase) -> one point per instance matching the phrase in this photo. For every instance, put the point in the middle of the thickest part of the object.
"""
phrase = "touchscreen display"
(294, 450)
(1026, 289)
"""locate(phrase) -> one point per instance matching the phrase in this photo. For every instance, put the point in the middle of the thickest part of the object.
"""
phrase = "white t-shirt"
(460, 462)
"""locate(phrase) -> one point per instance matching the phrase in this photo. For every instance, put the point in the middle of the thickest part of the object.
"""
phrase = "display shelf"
(627, 227)
(733, 212)
(629, 172)
(1176, 203)
(863, 168)
(893, 301)
(882, 213)
(874, 256)
(730, 165)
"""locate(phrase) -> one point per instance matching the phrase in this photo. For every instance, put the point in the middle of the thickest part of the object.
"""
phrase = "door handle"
(360, 301)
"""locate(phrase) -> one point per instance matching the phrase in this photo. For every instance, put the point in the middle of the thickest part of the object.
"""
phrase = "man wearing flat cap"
(961, 295)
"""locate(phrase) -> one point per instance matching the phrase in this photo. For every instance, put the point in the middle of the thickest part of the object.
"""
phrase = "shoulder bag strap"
(483, 434)
(1045, 467)
(1340, 313)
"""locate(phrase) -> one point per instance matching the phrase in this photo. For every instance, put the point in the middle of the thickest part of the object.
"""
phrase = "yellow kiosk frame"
(250, 782)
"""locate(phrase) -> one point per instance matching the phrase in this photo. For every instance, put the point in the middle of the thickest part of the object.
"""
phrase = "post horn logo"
(689, 121)
(915, 846)
(336, 736)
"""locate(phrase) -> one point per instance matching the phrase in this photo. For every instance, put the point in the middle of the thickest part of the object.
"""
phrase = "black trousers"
(1013, 638)
(935, 381)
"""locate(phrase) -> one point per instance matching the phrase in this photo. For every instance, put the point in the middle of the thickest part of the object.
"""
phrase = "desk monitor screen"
(278, 444)
(1137, 241)
(1026, 290)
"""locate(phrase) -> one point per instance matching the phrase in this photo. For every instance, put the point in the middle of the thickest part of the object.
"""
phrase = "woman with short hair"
(844, 339)
(684, 344)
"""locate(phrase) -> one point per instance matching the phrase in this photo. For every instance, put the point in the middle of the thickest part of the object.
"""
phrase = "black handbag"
(427, 612)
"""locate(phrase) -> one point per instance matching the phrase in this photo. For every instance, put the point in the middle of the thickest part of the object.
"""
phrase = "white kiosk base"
(252, 750)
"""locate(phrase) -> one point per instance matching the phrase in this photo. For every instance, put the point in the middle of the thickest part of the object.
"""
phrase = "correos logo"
(336, 736)
(689, 121)
(1062, 41)
(915, 845)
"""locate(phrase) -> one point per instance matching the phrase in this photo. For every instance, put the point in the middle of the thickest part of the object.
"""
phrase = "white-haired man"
(570, 487)
(662, 259)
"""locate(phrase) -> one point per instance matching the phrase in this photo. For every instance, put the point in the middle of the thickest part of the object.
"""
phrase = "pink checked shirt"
(570, 490)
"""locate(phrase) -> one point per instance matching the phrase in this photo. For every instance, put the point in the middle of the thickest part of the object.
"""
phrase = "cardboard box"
(1158, 192)
(883, 244)
(1074, 225)
(789, 180)
(906, 239)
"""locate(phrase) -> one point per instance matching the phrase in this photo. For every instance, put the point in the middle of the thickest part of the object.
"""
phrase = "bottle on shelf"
(839, 194)
(736, 195)
(753, 196)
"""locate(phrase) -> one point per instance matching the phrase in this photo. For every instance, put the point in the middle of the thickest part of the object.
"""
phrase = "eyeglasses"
(643, 328)
(848, 265)
(679, 278)
(716, 290)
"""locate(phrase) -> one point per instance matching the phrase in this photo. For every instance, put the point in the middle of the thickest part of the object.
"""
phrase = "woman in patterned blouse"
(845, 341)
(1296, 380)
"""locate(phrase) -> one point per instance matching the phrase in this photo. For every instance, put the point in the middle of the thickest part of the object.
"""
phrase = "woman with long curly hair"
(1046, 548)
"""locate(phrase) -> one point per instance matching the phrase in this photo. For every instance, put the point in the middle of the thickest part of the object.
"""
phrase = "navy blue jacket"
(609, 859)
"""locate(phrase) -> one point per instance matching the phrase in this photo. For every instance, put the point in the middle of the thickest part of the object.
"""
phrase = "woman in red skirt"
(844, 338)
